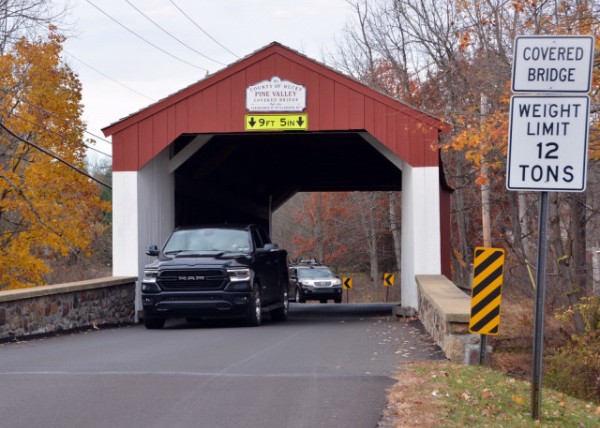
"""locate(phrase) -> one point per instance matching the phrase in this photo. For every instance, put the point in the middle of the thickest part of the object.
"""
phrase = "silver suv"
(314, 281)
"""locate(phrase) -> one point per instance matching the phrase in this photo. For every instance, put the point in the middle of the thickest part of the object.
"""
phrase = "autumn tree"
(319, 217)
(453, 59)
(26, 19)
(349, 231)
(569, 213)
(46, 206)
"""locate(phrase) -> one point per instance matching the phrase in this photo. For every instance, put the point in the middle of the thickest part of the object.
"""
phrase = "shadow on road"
(300, 313)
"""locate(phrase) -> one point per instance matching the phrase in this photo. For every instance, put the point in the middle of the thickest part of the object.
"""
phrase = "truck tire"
(281, 314)
(299, 298)
(254, 318)
(154, 323)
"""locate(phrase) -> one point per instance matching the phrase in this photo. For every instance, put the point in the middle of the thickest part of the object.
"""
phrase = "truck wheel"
(299, 298)
(281, 314)
(154, 323)
(254, 317)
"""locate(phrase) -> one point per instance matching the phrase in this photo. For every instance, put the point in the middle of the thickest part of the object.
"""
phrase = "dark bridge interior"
(234, 177)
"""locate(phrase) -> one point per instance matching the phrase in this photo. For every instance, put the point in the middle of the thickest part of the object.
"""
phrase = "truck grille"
(208, 279)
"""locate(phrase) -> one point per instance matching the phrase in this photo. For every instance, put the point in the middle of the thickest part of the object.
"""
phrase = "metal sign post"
(482, 348)
(540, 305)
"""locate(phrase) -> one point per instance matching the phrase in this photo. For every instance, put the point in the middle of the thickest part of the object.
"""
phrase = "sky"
(121, 72)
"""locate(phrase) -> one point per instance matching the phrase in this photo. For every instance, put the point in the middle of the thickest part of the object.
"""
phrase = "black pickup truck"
(219, 271)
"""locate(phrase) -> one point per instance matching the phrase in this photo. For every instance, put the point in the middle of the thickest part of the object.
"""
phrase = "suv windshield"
(315, 273)
(230, 240)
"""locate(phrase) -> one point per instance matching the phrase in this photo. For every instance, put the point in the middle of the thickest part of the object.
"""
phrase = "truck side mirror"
(152, 250)
(268, 247)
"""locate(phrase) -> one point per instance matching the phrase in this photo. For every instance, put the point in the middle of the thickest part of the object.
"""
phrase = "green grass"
(477, 396)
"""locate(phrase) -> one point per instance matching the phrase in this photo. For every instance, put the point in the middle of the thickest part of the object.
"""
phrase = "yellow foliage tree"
(46, 208)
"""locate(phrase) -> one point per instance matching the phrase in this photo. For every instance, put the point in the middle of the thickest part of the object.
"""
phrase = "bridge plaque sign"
(275, 95)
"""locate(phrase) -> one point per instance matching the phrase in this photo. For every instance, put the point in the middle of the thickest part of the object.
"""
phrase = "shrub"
(575, 367)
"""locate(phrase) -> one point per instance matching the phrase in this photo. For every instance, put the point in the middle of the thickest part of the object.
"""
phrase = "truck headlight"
(149, 284)
(240, 278)
(239, 274)
(150, 275)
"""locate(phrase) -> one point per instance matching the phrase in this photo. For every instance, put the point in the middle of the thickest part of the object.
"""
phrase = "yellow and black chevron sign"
(486, 293)
(388, 279)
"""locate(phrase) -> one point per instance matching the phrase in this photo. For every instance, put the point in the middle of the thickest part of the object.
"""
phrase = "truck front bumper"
(196, 304)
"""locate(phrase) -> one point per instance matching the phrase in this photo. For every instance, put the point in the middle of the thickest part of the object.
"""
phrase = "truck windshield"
(229, 240)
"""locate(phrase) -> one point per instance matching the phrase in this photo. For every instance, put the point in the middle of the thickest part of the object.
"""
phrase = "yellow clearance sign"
(276, 122)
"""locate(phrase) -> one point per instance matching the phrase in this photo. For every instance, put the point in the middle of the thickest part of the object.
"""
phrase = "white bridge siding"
(143, 214)
(421, 236)
(421, 228)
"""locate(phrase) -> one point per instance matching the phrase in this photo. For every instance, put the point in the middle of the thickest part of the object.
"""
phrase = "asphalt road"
(327, 366)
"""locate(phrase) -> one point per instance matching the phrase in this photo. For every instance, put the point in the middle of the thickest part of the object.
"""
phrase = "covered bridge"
(236, 145)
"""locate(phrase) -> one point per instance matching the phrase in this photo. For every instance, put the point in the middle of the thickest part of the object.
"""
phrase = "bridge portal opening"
(241, 178)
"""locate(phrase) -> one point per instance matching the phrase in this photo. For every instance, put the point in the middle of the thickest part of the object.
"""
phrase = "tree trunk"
(319, 228)
(578, 265)
(395, 229)
(485, 187)
(372, 233)
(566, 263)
(525, 235)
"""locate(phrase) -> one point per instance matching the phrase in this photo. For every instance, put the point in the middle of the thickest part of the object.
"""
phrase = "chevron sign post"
(347, 285)
(388, 281)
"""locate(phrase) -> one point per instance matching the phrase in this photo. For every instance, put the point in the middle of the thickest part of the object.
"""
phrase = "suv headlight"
(306, 283)
(239, 274)
(337, 282)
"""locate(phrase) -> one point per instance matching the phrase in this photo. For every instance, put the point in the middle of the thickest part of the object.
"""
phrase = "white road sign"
(552, 64)
(275, 95)
(547, 145)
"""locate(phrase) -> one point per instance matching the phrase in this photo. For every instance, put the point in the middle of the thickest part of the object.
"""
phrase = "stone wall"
(64, 307)
(445, 311)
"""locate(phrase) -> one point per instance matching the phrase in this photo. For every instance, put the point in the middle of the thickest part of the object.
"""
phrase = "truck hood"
(214, 260)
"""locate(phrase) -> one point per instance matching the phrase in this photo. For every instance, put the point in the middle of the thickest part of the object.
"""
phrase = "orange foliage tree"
(320, 218)
(46, 208)
(481, 136)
